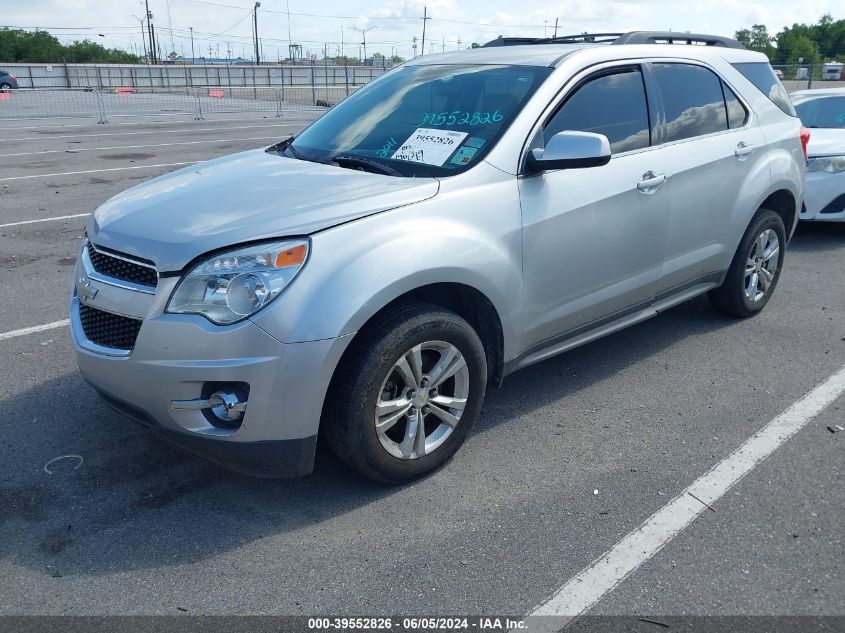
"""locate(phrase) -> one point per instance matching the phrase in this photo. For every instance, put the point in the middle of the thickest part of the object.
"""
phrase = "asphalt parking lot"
(568, 457)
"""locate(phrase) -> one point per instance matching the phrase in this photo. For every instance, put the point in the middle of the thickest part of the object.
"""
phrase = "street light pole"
(255, 25)
(363, 33)
(192, 44)
(143, 36)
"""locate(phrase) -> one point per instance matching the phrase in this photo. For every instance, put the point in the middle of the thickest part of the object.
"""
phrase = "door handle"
(743, 150)
(650, 181)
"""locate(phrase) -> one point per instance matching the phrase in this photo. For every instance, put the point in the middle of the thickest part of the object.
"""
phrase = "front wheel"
(755, 269)
(407, 394)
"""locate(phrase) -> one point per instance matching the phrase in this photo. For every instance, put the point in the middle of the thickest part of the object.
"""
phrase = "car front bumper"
(177, 357)
(824, 197)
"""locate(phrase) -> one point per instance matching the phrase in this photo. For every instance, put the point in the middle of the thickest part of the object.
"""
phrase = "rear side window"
(692, 100)
(737, 114)
(613, 104)
(762, 76)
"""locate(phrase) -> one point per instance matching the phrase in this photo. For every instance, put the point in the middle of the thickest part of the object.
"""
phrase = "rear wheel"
(4, 87)
(408, 394)
(755, 269)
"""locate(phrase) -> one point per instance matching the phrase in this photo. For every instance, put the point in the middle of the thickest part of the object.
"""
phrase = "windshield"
(821, 111)
(422, 120)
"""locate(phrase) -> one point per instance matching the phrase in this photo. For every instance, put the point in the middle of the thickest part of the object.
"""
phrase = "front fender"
(354, 270)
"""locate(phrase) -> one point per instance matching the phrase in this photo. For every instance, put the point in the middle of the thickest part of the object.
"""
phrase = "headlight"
(830, 164)
(234, 285)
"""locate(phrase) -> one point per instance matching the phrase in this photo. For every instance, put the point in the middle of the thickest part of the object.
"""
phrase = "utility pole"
(555, 27)
(290, 40)
(443, 49)
(425, 19)
(459, 42)
(150, 32)
(255, 24)
(155, 45)
(192, 44)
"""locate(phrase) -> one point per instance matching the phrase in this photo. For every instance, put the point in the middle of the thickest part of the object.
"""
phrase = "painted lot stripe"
(33, 329)
(60, 217)
(97, 149)
(97, 171)
(594, 582)
(151, 132)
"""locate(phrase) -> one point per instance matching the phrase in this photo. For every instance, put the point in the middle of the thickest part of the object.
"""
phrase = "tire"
(758, 254)
(4, 87)
(369, 376)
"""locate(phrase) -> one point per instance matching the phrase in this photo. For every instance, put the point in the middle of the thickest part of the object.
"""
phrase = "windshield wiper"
(365, 164)
(287, 145)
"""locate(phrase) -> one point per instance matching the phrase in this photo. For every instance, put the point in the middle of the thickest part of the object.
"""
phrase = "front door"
(594, 238)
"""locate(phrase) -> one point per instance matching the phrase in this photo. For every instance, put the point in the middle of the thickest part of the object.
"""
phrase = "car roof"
(553, 55)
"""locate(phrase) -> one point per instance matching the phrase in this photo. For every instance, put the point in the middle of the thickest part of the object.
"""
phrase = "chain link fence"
(809, 76)
(197, 102)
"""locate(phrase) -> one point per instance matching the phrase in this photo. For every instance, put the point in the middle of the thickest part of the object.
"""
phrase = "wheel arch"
(466, 301)
(784, 203)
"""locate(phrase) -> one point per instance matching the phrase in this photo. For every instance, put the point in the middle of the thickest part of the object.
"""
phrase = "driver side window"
(612, 103)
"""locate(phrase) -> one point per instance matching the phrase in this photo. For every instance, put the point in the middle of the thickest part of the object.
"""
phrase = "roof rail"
(580, 38)
(633, 37)
(674, 37)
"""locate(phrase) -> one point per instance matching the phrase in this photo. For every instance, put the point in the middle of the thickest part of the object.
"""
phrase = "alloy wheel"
(422, 399)
(761, 265)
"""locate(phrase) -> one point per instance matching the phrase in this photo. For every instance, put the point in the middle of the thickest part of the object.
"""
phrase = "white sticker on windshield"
(428, 146)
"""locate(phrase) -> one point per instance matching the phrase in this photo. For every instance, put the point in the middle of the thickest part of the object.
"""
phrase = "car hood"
(249, 196)
(826, 142)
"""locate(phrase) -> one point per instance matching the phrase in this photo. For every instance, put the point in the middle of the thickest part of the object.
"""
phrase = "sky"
(226, 25)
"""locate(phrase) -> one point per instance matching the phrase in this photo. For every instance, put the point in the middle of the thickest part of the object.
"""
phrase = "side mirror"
(570, 150)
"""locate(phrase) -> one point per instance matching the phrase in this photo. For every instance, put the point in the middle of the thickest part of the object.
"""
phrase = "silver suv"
(463, 216)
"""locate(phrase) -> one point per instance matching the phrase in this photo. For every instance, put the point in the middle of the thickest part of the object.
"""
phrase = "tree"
(822, 41)
(17, 45)
(756, 39)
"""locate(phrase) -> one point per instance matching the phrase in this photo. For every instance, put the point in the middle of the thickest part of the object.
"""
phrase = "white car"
(823, 111)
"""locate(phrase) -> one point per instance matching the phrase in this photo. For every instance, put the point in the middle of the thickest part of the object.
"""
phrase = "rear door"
(717, 154)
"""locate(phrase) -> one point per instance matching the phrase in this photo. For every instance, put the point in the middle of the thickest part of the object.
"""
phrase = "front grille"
(107, 329)
(119, 268)
(837, 205)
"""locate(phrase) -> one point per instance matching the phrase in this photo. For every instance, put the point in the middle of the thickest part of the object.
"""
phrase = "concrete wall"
(145, 76)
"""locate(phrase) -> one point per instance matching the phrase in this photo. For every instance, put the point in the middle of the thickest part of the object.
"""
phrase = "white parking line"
(34, 329)
(170, 131)
(60, 217)
(594, 582)
(95, 149)
(97, 171)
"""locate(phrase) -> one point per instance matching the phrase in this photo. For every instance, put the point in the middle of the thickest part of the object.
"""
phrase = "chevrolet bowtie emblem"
(84, 289)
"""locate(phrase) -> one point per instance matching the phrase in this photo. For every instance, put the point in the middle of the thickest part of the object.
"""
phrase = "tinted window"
(762, 76)
(613, 105)
(821, 111)
(737, 114)
(432, 120)
(692, 99)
